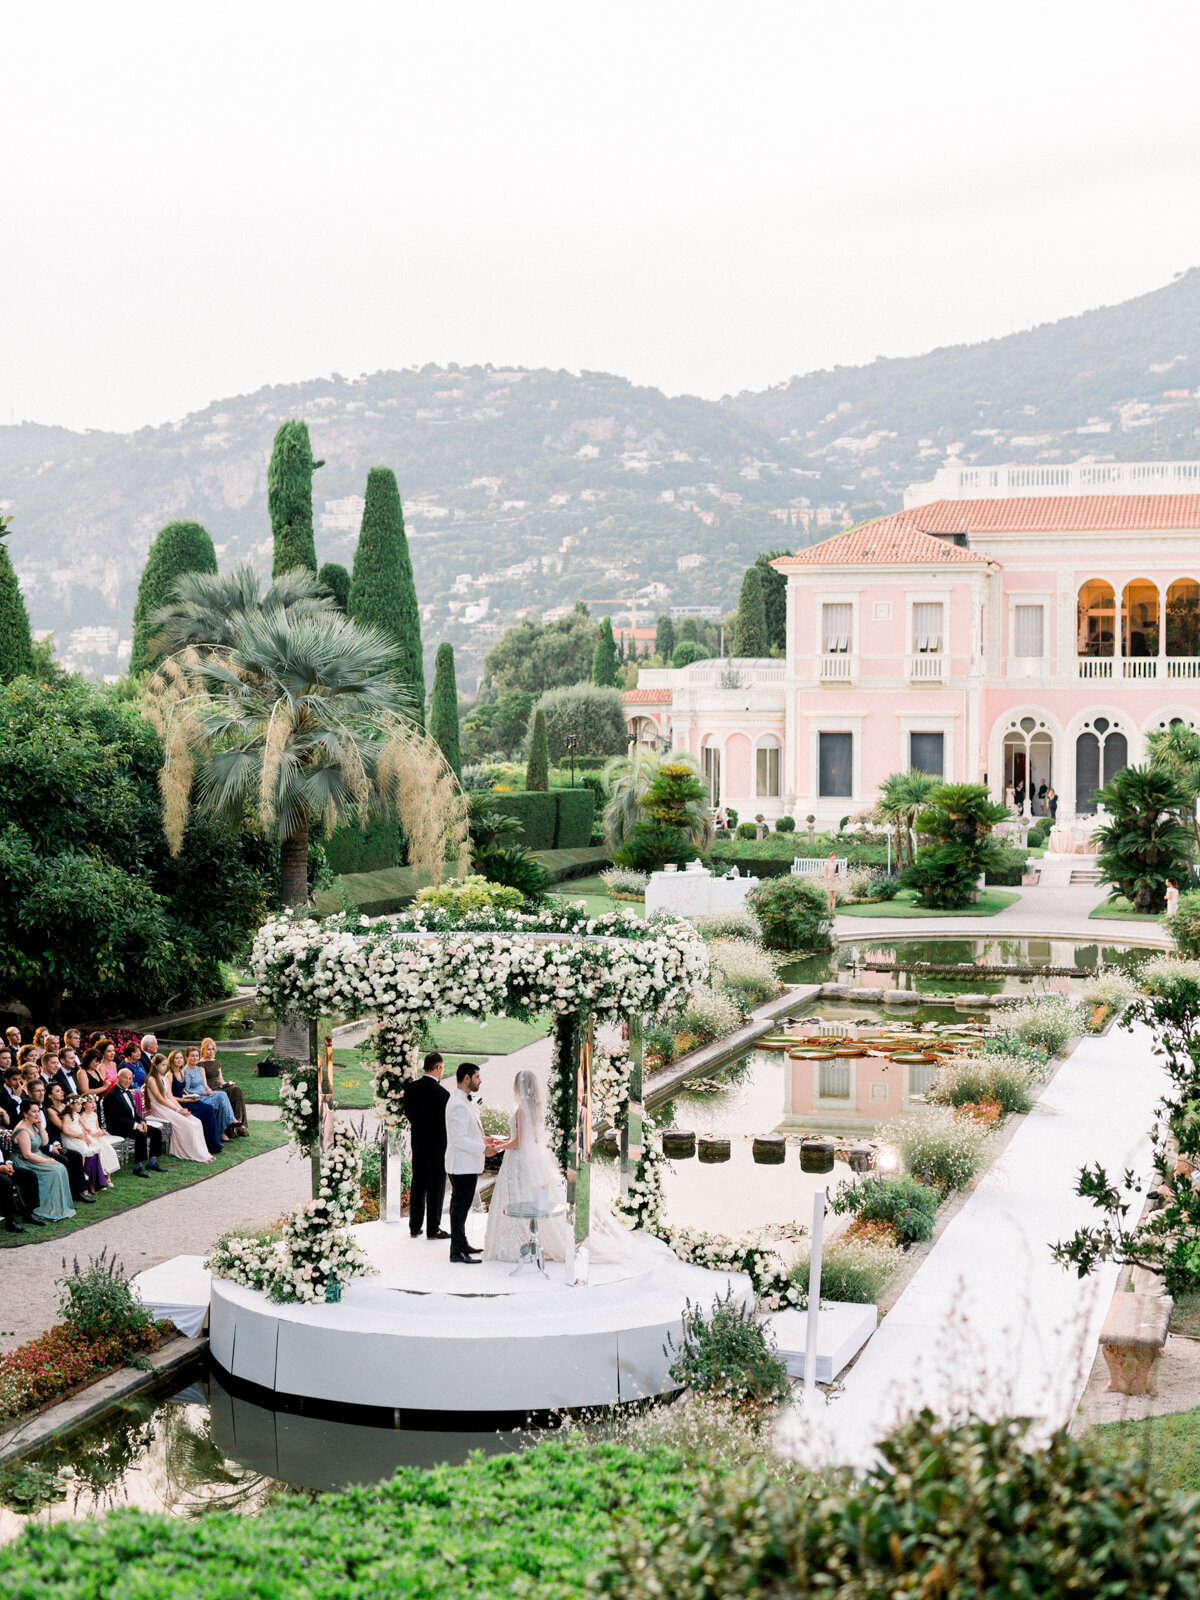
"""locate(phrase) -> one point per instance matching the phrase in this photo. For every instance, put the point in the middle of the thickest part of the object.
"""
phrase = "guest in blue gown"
(196, 1082)
(200, 1109)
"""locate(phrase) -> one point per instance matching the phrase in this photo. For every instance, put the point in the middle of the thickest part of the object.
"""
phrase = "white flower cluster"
(395, 1050)
(341, 1168)
(748, 1253)
(610, 965)
(298, 1107)
(610, 1086)
(644, 1205)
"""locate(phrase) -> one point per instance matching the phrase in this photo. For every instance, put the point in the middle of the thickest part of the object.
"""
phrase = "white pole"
(814, 1297)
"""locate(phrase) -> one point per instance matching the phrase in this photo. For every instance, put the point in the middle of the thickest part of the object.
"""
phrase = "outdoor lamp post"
(572, 746)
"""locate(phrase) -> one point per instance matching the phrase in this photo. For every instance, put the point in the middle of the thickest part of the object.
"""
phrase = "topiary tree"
(1143, 843)
(664, 638)
(334, 578)
(959, 820)
(687, 651)
(750, 630)
(16, 641)
(289, 498)
(443, 708)
(537, 772)
(178, 548)
(605, 669)
(677, 826)
(595, 716)
(774, 598)
(794, 913)
(382, 592)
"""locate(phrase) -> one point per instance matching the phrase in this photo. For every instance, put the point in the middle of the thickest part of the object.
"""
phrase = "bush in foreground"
(855, 1270)
(950, 1513)
(905, 1204)
(726, 1352)
(794, 914)
(968, 1080)
(940, 1148)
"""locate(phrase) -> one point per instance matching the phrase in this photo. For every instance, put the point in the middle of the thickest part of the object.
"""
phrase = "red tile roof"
(647, 697)
(910, 536)
(888, 541)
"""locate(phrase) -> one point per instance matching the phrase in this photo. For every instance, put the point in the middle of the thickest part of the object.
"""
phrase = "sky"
(200, 200)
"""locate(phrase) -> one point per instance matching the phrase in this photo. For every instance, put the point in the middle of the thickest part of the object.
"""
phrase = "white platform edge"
(843, 1328)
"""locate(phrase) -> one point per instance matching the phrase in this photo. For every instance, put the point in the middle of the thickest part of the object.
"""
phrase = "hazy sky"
(707, 197)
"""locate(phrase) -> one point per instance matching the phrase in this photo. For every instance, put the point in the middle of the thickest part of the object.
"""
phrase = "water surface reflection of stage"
(428, 1336)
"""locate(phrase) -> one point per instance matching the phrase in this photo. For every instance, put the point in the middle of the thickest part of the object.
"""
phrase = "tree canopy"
(16, 641)
(443, 708)
(750, 631)
(594, 715)
(774, 598)
(382, 592)
(178, 548)
(536, 655)
(605, 669)
(664, 638)
(289, 498)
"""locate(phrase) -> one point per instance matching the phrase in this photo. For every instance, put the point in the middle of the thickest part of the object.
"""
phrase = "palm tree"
(295, 713)
(207, 606)
(902, 797)
(1176, 750)
(1142, 844)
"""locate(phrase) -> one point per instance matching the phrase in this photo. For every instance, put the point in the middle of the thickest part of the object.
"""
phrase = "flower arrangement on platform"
(341, 1170)
(611, 1071)
(644, 1204)
(750, 1253)
(298, 1107)
(395, 1048)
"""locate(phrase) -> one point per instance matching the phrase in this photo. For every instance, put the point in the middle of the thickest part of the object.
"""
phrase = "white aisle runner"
(990, 1321)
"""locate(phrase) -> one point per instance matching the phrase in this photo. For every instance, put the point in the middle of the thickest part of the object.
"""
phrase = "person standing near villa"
(831, 879)
(1052, 803)
(1172, 897)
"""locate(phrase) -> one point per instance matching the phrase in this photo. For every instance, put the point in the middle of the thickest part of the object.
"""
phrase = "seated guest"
(217, 1080)
(196, 1082)
(54, 1192)
(204, 1110)
(149, 1051)
(89, 1079)
(72, 1040)
(108, 1065)
(53, 1146)
(110, 1161)
(29, 1058)
(11, 1096)
(76, 1137)
(18, 1190)
(187, 1131)
(131, 1057)
(12, 1037)
(60, 1070)
(122, 1119)
(39, 1037)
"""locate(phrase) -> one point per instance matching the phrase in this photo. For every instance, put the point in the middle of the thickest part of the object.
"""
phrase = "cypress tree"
(16, 641)
(774, 598)
(687, 629)
(443, 707)
(382, 591)
(605, 671)
(537, 772)
(178, 548)
(664, 638)
(750, 631)
(289, 498)
(337, 580)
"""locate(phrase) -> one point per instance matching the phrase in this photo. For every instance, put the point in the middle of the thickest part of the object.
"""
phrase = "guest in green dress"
(54, 1191)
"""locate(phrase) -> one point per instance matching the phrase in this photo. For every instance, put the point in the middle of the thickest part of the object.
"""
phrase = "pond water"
(202, 1448)
(850, 963)
(247, 1020)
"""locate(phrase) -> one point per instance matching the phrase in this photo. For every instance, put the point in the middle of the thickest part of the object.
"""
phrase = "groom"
(466, 1147)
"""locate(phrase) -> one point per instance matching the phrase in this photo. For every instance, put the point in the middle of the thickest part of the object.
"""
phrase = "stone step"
(1085, 875)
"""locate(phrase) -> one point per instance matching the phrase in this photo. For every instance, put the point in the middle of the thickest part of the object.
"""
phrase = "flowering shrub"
(1162, 972)
(855, 1270)
(63, 1359)
(298, 1103)
(737, 922)
(1050, 1021)
(869, 1230)
(747, 1252)
(986, 1113)
(972, 1080)
(940, 1148)
(469, 895)
(856, 883)
(709, 1014)
(744, 969)
(904, 1204)
(610, 1086)
(626, 881)
(1113, 990)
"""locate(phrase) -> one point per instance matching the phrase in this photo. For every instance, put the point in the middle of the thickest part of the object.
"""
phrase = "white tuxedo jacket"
(465, 1147)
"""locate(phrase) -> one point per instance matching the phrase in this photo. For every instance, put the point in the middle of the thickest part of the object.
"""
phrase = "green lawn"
(1119, 909)
(989, 902)
(128, 1191)
(594, 893)
(1170, 1445)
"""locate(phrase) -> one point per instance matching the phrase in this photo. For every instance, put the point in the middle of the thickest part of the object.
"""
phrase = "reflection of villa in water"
(851, 1094)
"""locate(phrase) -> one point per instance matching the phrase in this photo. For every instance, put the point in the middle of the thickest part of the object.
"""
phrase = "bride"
(528, 1172)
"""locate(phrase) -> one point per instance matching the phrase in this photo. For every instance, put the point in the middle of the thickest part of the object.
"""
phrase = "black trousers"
(427, 1193)
(150, 1141)
(462, 1192)
(76, 1177)
(22, 1184)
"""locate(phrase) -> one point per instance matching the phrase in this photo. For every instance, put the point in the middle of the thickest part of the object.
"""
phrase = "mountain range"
(529, 489)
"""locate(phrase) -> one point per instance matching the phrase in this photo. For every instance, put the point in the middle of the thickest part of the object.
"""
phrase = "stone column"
(631, 1128)
(579, 1162)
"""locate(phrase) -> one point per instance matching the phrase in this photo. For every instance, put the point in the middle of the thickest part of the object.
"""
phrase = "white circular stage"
(426, 1335)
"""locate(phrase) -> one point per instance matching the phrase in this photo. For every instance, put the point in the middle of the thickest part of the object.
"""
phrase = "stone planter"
(678, 1143)
(769, 1150)
(816, 1155)
(712, 1150)
(861, 1156)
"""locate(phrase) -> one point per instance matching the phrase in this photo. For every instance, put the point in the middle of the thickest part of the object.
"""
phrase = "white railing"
(1088, 668)
(927, 668)
(1139, 668)
(814, 866)
(1183, 667)
(1078, 477)
(837, 668)
(731, 672)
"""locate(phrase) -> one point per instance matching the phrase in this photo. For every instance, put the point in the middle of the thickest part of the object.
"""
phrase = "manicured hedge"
(536, 812)
(1008, 874)
(573, 825)
(380, 844)
(532, 1524)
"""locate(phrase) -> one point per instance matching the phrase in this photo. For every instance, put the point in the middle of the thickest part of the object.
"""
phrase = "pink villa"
(1021, 641)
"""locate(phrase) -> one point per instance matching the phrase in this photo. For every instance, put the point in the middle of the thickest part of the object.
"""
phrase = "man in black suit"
(425, 1107)
(64, 1074)
(122, 1120)
(12, 1093)
(18, 1191)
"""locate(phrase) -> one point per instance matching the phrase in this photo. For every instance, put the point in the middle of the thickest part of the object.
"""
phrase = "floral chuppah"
(425, 963)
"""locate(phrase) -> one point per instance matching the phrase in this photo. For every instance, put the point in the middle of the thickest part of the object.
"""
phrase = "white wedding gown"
(528, 1172)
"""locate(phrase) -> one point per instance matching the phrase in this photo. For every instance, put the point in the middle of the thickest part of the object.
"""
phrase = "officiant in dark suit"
(425, 1107)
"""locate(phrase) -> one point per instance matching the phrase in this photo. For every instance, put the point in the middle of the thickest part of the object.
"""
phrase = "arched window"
(1096, 626)
(1029, 764)
(710, 760)
(1139, 619)
(767, 759)
(1183, 618)
(1101, 751)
